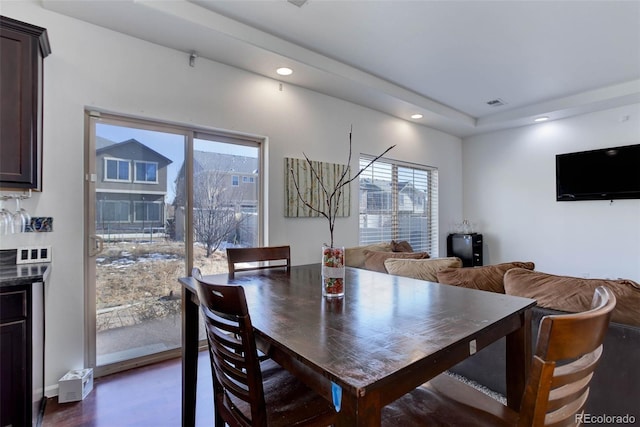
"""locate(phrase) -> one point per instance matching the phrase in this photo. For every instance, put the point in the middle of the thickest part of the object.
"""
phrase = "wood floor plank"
(141, 397)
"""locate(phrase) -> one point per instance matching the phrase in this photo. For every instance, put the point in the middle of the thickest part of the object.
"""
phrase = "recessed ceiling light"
(284, 71)
(416, 116)
(541, 119)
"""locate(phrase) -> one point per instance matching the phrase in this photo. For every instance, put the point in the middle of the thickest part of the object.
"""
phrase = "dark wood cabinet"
(22, 355)
(13, 365)
(23, 48)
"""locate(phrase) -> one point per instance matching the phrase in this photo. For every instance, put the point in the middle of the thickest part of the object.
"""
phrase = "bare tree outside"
(225, 199)
(217, 217)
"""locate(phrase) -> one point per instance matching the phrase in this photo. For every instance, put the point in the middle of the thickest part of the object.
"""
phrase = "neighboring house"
(377, 197)
(221, 182)
(131, 187)
(236, 176)
(376, 207)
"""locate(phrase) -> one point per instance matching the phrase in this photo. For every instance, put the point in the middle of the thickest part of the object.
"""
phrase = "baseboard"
(51, 391)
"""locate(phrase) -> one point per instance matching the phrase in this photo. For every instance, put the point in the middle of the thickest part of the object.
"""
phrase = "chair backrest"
(568, 349)
(270, 253)
(238, 389)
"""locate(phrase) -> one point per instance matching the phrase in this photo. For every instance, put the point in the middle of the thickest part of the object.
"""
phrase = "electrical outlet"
(33, 254)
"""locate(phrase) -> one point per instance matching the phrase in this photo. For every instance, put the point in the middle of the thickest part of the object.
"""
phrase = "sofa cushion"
(485, 278)
(354, 257)
(401, 246)
(574, 294)
(374, 260)
(423, 269)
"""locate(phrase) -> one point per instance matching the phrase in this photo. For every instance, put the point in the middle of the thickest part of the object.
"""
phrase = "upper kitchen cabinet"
(23, 48)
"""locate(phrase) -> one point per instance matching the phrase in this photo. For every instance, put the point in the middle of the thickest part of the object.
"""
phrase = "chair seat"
(290, 402)
(447, 401)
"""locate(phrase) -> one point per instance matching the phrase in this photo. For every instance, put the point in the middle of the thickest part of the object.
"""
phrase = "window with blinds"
(399, 201)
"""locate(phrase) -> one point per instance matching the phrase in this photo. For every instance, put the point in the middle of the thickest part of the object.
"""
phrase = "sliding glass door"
(160, 200)
(135, 255)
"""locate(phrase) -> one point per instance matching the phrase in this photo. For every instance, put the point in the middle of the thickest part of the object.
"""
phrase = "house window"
(146, 172)
(249, 209)
(235, 180)
(248, 180)
(113, 211)
(147, 211)
(116, 170)
(399, 201)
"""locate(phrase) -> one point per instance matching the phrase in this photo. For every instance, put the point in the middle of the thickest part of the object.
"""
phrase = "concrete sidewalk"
(141, 339)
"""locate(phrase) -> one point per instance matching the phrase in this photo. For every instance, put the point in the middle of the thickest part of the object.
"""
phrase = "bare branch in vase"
(333, 195)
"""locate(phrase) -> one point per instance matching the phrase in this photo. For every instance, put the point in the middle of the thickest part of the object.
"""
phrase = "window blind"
(399, 201)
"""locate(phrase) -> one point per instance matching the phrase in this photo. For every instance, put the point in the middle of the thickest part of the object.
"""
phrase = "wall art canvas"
(329, 174)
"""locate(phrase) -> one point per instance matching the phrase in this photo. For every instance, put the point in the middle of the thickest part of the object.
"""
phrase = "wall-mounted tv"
(604, 174)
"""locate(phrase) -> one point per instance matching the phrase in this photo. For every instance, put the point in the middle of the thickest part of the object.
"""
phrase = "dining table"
(386, 336)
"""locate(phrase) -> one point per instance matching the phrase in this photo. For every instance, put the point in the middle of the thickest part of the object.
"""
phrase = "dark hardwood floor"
(146, 396)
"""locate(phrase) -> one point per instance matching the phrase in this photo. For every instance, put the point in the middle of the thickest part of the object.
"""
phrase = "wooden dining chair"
(258, 254)
(247, 392)
(567, 351)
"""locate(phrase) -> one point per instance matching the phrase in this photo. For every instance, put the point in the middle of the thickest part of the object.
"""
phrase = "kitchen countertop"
(24, 274)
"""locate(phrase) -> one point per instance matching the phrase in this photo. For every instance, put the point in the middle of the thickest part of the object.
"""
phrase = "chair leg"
(217, 390)
(219, 422)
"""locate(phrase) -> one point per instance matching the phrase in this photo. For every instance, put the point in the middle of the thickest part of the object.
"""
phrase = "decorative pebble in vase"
(333, 271)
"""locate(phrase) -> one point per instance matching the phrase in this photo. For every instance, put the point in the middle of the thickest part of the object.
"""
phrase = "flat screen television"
(604, 174)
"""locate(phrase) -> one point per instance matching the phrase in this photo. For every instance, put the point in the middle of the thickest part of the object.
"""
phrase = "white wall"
(509, 189)
(93, 67)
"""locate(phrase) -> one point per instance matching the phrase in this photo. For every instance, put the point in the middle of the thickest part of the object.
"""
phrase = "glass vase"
(333, 271)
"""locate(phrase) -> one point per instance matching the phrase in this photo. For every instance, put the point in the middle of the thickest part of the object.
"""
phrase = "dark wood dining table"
(386, 336)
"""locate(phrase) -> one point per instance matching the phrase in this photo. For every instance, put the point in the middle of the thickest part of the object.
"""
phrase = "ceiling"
(443, 59)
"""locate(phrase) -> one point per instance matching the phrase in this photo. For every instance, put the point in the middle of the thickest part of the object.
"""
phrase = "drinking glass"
(21, 218)
(6, 221)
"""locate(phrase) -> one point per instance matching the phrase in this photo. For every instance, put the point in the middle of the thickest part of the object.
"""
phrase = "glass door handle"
(96, 245)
